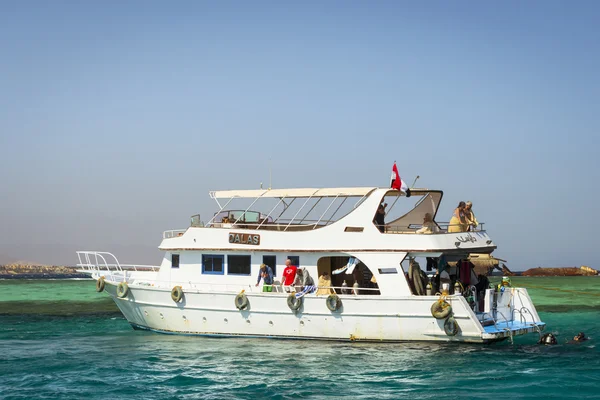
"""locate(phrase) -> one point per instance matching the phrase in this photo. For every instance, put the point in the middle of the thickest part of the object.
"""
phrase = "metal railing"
(173, 233)
(237, 287)
(443, 228)
(98, 262)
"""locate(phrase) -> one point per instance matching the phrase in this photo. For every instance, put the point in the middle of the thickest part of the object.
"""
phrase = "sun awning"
(292, 193)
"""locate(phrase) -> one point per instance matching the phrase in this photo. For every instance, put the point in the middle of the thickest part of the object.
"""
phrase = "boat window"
(271, 261)
(238, 265)
(388, 271)
(295, 260)
(354, 229)
(174, 260)
(212, 264)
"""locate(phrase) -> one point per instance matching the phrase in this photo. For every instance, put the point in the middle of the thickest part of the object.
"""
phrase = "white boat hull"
(363, 317)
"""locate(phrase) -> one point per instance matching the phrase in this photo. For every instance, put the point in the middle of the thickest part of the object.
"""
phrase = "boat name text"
(244, 238)
(468, 238)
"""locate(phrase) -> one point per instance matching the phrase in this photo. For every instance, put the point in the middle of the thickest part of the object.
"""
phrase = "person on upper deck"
(289, 274)
(428, 225)
(266, 274)
(458, 222)
(470, 217)
(379, 219)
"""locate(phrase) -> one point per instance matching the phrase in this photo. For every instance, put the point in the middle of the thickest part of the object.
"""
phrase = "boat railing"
(443, 228)
(173, 233)
(269, 226)
(237, 287)
(101, 261)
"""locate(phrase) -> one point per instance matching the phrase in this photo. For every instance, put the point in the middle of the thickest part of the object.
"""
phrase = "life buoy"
(294, 303)
(441, 309)
(241, 301)
(177, 294)
(451, 327)
(122, 289)
(333, 302)
(100, 284)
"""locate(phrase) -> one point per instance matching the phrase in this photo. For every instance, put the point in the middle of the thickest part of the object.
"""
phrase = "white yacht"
(393, 282)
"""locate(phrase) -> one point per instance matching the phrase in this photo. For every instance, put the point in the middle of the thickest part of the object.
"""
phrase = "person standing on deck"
(470, 216)
(458, 222)
(380, 217)
(266, 273)
(289, 274)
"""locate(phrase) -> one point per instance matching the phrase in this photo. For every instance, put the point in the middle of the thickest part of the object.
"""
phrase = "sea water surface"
(61, 339)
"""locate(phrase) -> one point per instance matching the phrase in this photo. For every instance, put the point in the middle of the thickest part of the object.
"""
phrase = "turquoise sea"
(62, 340)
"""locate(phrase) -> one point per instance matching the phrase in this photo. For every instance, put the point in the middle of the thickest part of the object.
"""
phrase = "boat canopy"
(292, 193)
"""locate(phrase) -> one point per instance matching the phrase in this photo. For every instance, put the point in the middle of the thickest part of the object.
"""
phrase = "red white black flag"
(397, 183)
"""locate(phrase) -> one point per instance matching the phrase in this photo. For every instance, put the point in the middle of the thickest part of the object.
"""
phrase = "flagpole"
(415, 181)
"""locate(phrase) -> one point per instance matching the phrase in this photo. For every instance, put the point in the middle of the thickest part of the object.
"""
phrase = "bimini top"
(295, 193)
(306, 192)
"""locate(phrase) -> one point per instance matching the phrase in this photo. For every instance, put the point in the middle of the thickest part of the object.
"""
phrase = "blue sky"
(117, 118)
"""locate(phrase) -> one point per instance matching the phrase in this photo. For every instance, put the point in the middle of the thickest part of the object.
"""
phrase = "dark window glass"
(174, 260)
(295, 260)
(271, 261)
(212, 264)
(238, 265)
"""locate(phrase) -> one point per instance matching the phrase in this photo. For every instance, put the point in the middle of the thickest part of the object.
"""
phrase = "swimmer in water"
(548, 339)
(580, 337)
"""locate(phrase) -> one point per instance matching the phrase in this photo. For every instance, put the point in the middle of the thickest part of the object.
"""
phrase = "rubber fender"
(451, 327)
(122, 289)
(100, 284)
(241, 301)
(333, 302)
(294, 303)
(177, 294)
(441, 309)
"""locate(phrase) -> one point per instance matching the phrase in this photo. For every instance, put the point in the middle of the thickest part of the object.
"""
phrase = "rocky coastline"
(568, 271)
(24, 271)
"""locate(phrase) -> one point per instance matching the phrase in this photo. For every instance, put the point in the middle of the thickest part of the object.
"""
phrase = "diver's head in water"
(580, 337)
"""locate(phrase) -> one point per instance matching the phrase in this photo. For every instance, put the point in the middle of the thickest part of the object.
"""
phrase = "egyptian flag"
(397, 182)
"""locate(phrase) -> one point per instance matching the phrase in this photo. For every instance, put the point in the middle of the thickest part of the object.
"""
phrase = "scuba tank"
(355, 288)
(428, 289)
(457, 289)
(445, 289)
(345, 289)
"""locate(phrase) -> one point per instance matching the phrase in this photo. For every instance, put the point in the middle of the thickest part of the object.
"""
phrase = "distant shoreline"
(44, 276)
(18, 271)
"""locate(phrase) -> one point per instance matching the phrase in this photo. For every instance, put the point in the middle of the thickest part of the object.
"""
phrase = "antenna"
(270, 173)
(415, 181)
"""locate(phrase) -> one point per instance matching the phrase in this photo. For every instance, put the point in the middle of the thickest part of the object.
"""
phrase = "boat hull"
(360, 318)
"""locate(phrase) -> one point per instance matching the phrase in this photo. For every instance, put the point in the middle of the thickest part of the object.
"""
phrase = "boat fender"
(441, 309)
(100, 284)
(122, 289)
(451, 327)
(177, 294)
(241, 301)
(333, 302)
(294, 303)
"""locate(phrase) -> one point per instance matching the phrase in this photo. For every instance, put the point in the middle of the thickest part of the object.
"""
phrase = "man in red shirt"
(289, 274)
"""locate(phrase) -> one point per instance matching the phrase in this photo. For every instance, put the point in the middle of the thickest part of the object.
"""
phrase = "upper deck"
(330, 217)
